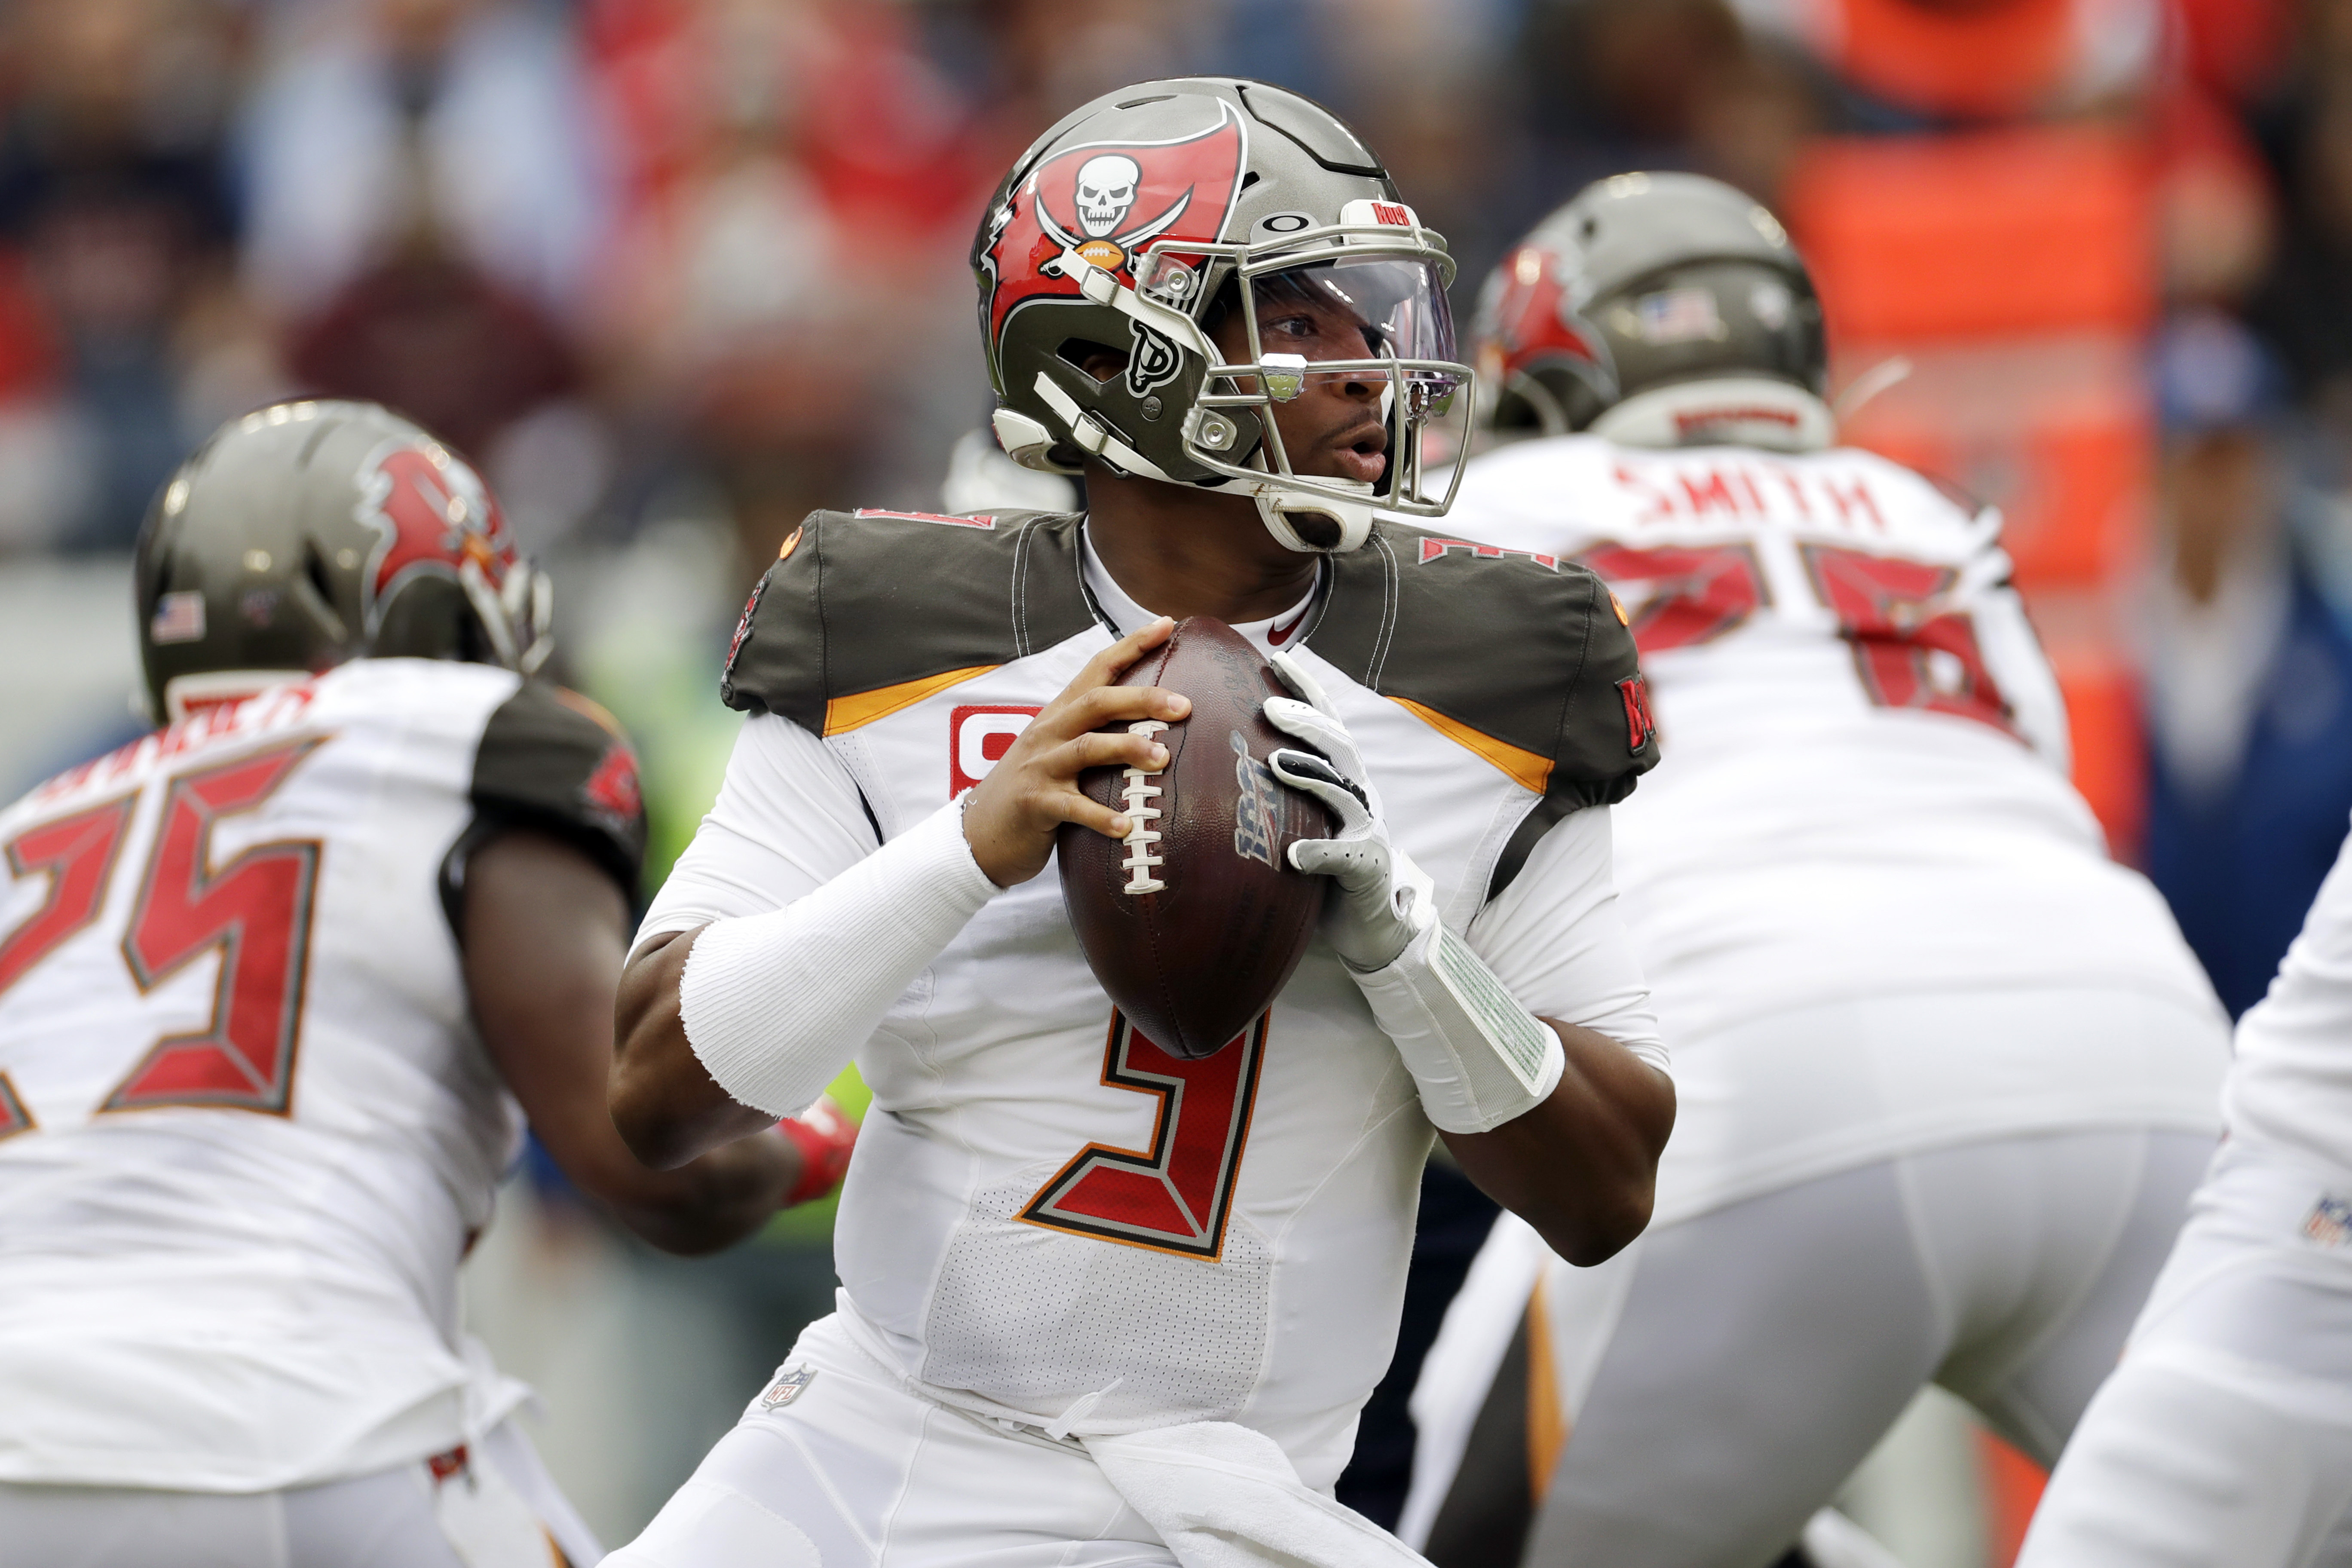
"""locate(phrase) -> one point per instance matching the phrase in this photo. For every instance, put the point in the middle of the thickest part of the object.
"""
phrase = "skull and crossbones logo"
(1106, 190)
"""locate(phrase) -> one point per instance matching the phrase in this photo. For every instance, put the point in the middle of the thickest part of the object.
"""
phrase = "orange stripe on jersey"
(846, 714)
(1547, 1422)
(589, 708)
(1522, 767)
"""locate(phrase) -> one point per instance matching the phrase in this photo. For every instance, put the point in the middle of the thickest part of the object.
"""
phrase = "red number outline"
(79, 851)
(1888, 612)
(15, 1117)
(1132, 1195)
(1704, 590)
(244, 1058)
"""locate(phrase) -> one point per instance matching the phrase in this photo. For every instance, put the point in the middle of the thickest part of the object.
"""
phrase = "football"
(1194, 923)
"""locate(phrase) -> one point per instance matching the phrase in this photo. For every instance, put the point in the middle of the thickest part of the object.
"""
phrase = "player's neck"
(1179, 552)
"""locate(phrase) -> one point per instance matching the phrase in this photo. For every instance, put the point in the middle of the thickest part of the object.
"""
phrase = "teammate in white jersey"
(2225, 1437)
(1947, 1073)
(276, 984)
(1102, 1305)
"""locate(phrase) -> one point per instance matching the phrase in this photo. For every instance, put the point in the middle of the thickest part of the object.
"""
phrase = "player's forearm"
(716, 1199)
(663, 1102)
(1581, 1165)
(766, 1009)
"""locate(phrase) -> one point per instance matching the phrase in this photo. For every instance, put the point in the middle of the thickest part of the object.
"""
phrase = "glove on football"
(1384, 899)
(824, 1138)
(1478, 1058)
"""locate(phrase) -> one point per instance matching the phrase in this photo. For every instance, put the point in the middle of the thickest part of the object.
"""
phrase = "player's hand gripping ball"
(1195, 921)
(1384, 900)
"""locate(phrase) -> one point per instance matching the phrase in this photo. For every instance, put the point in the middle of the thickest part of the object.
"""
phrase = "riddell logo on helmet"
(1099, 205)
(435, 515)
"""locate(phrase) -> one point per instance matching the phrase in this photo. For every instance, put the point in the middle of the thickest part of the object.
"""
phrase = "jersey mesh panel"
(1034, 1319)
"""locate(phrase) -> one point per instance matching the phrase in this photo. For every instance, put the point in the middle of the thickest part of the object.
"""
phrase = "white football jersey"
(2291, 1082)
(247, 1128)
(1049, 1217)
(1863, 779)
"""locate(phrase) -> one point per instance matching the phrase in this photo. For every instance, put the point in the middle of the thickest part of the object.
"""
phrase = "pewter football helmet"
(1644, 282)
(308, 534)
(1141, 218)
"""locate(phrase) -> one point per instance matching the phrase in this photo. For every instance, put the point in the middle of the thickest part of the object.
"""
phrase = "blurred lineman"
(274, 983)
(1102, 1304)
(1947, 1074)
(2225, 1437)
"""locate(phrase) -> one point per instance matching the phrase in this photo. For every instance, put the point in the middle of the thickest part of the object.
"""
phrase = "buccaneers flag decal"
(434, 513)
(1105, 203)
(1533, 318)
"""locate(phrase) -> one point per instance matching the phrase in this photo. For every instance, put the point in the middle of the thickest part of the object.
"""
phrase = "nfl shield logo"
(787, 1387)
(2329, 1224)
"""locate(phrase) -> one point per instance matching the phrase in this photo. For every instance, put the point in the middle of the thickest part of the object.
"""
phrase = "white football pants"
(2224, 1440)
(848, 1469)
(388, 1519)
(1713, 1385)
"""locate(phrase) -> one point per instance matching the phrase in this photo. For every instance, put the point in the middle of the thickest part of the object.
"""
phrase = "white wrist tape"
(775, 1004)
(1480, 1058)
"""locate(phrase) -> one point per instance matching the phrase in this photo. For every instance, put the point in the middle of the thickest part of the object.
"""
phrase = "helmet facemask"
(1358, 323)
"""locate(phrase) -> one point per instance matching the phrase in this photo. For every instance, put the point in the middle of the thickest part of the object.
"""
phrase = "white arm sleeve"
(806, 947)
(1556, 940)
(787, 821)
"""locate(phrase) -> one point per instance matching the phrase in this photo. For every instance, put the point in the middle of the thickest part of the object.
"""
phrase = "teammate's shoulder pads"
(1522, 658)
(862, 605)
(552, 760)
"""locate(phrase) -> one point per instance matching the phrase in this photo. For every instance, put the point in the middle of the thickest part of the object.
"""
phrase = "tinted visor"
(1370, 309)
(1374, 319)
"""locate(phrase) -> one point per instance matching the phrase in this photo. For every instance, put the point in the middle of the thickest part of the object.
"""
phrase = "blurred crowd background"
(674, 271)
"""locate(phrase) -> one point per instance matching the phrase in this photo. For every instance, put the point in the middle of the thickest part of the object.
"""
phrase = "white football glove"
(1385, 899)
(1478, 1058)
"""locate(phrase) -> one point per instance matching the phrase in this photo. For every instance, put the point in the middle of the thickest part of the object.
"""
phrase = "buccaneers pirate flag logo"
(431, 514)
(1104, 203)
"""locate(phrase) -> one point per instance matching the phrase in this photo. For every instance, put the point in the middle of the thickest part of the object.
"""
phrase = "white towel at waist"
(1223, 1495)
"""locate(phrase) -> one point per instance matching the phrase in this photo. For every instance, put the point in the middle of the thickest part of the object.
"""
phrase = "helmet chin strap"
(1278, 506)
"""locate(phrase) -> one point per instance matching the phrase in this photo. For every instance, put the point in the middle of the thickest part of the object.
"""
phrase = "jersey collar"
(1119, 609)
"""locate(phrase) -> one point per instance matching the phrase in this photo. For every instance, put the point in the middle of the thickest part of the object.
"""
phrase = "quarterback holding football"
(1110, 1297)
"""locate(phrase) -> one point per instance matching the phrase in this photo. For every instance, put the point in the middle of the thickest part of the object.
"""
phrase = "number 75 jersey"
(1863, 749)
(247, 1128)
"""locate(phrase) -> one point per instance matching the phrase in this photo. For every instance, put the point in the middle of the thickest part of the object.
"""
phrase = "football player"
(278, 985)
(2225, 1437)
(1101, 1304)
(1948, 1074)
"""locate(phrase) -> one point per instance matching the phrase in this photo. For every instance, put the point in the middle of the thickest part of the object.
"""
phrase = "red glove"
(824, 1138)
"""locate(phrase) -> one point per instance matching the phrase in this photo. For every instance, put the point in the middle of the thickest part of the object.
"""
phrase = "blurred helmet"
(308, 534)
(1658, 309)
(1137, 223)
(1543, 369)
